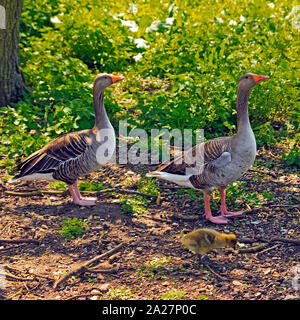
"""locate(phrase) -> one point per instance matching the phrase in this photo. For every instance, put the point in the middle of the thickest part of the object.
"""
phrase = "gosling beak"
(116, 79)
(237, 247)
(257, 78)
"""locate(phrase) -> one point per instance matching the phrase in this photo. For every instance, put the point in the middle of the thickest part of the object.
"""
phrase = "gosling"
(201, 241)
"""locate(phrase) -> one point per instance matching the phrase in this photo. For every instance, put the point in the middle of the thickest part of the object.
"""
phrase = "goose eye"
(246, 77)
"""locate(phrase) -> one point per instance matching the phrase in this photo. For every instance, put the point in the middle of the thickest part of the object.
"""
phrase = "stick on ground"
(62, 193)
(214, 272)
(254, 249)
(295, 242)
(19, 241)
(82, 267)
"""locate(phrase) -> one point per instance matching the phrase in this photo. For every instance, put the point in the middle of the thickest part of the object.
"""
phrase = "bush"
(204, 51)
(96, 37)
(181, 62)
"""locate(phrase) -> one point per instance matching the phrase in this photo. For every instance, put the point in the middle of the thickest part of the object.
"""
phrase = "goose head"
(231, 240)
(102, 81)
(249, 80)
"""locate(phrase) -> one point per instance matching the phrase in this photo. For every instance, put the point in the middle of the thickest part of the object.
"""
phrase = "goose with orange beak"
(220, 161)
(77, 153)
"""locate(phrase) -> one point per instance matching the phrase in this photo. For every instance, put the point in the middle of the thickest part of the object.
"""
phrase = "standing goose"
(75, 154)
(220, 161)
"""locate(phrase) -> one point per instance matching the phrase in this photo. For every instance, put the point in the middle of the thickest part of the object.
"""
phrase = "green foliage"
(72, 228)
(120, 293)
(148, 186)
(159, 268)
(235, 191)
(91, 186)
(292, 154)
(96, 37)
(293, 157)
(58, 185)
(174, 294)
(211, 45)
(181, 61)
(134, 205)
(155, 268)
(190, 192)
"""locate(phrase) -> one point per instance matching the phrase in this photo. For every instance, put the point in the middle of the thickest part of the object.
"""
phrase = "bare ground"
(32, 268)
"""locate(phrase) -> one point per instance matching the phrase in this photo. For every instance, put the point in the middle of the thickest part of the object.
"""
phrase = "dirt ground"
(32, 268)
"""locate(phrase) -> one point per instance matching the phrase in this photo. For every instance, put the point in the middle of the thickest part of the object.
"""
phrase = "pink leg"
(208, 215)
(77, 198)
(80, 196)
(223, 210)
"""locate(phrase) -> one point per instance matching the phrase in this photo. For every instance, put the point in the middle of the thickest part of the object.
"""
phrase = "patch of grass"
(7, 163)
(292, 154)
(174, 294)
(72, 228)
(58, 185)
(158, 267)
(190, 192)
(120, 293)
(135, 205)
(6, 177)
(268, 195)
(92, 186)
(148, 186)
(155, 268)
(83, 186)
(128, 181)
(236, 191)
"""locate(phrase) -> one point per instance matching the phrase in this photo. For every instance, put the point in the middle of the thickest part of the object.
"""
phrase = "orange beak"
(116, 79)
(257, 78)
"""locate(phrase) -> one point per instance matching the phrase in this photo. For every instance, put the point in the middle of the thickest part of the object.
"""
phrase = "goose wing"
(47, 159)
(210, 155)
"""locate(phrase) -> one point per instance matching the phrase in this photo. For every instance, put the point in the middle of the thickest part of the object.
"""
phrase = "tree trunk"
(12, 81)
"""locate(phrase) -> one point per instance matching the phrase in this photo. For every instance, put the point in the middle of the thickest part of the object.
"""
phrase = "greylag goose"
(75, 154)
(220, 161)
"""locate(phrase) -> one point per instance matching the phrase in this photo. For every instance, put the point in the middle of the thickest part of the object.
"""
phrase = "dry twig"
(9, 276)
(13, 269)
(62, 193)
(113, 269)
(295, 197)
(254, 249)
(214, 272)
(83, 266)
(19, 241)
(84, 295)
(264, 172)
(12, 247)
(285, 205)
(268, 249)
(295, 242)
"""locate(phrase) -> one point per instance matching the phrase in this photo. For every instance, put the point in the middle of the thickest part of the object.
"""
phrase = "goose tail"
(154, 174)
(182, 180)
(14, 179)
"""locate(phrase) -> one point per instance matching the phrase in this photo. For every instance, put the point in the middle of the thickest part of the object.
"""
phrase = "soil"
(32, 268)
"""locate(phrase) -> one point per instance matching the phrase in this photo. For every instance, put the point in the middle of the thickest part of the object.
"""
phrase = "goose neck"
(101, 118)
(243, 122)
